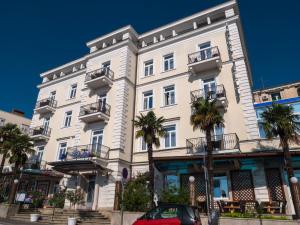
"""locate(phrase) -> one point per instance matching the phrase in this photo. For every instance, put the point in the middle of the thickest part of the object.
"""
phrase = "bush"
(136, 194)
(175, 195)
(37, 199)
(75, 197)
(58, 200)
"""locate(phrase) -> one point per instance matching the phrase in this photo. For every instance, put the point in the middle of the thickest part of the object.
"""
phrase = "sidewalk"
(16, 222)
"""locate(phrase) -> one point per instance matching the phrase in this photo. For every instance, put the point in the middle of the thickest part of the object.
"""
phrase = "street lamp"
(294, 180)
(192, 190)
(295, 195)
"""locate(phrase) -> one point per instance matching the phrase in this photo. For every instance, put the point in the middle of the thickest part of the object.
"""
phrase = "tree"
(150, 128)
(8, 133)
(205, 116)
(20, 147)
(280, 121)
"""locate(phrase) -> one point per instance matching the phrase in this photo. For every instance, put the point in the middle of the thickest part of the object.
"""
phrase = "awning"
(75, 166)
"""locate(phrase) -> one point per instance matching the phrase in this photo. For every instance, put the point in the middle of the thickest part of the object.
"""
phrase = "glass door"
(205, 51)
(46, 124)
(96, 142)
(90, 193)
(102, 103)
(209, 88)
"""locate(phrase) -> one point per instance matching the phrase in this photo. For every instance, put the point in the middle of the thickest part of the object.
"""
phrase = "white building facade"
(85, 108)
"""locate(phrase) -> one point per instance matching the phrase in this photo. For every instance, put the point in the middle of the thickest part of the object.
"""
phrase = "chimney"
(18, 112)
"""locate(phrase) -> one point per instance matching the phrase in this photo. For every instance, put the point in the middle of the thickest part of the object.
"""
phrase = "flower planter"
(71, 221)
(34, 217)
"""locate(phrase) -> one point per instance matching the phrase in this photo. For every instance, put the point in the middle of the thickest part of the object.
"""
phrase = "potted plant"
(58, 201)
(75, 197)
(37, 201)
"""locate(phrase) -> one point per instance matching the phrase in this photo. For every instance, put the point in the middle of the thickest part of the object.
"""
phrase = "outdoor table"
(232, 205)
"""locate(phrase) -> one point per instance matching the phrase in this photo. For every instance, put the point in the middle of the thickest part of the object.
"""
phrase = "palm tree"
(205, 116)
(150, 129)
(280, 121)
(20, 148)
(7, 134)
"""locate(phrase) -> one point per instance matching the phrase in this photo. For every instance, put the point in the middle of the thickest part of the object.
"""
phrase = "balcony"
(46, 105)
(92, 157)
(222, 144)
(99, 78)
(95, 112)
(40, 133)
(205, 59)
(217, 93)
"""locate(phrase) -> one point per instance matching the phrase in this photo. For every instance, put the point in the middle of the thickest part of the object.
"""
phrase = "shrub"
(58, 199)
(136, 194)
(37, 199)
(75, 197)
(175, 195)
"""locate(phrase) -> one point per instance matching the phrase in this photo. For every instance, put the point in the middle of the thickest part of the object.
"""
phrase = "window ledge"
(146, 110)
(145, 77)
(167, 106)
(168, 70)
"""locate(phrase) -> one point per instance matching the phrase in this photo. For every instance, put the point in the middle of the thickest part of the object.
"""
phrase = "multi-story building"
(14, 117)
(83, 117)
(282, 94)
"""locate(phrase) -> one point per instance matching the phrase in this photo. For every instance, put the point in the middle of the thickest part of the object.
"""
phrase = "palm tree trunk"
(290, 173)
(209, 166)
(2, 162)
(151, 173)
(12, 193)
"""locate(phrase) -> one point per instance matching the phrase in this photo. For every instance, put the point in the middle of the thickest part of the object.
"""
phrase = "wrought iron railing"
(212, 93)
(46, 102)
(40, 130)
(86, 152)
(203, 54)
(99, 73)
(219, 142)
(99, 106)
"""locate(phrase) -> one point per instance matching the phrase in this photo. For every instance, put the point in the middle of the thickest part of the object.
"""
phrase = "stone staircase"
(84, 217)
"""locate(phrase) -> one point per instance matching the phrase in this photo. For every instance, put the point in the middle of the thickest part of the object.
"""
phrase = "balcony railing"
(221, 143)
(99, 73)
(40, 131)
(213, 93)
(97, 107)
(203, 55)
(46, 102)
(85, 152)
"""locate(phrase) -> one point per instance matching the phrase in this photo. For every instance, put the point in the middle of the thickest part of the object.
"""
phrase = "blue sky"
(38, 35)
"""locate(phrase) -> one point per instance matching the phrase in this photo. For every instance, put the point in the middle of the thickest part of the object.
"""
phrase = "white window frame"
(163, 63)
(40, 159)
(66, 117)
(73, 91)
(164, 95)
(2, 121)
(52, 95)
(170, 135)
(141, 143)
(143, 100)
(59, 147)
(148, 67)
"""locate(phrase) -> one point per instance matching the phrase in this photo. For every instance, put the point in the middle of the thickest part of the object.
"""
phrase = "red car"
(170, 214)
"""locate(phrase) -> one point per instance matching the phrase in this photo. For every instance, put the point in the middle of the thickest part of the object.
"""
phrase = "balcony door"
(46, 124)
(205, 50)
(96, 141)
(102, 103)
(209, 88)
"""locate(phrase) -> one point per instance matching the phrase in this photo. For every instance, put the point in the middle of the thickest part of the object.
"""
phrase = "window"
(144, 145)
(259, 113)
(276, 96)
(205, 51)
(220, 186)
(298, 91)
(68, 117)
(170, 137)
(2, 122)
(106, 67)
(172, 181)
(40, 153)
(46, 123)
(148, 100)
(52, 94)
(62, 150)
(296, 107)
(262, 132)
(210, 88)
(169, 95)
(148, 68)
(73, 91)
(168, 62)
